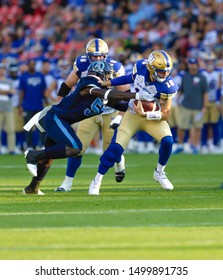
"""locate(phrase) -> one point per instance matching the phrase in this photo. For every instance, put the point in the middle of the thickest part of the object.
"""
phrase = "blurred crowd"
(52, 33)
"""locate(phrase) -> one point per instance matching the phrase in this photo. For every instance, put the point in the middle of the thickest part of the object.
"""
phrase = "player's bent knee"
(71, 152)
(167, 141)
(112, 154)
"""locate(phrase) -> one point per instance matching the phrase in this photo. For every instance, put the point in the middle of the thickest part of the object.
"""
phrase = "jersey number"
(96, 108)
(170, 83)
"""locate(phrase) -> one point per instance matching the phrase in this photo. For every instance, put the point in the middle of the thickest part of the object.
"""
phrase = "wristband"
(137, 96)
(153, 115)
(90, 91)
(105, 101)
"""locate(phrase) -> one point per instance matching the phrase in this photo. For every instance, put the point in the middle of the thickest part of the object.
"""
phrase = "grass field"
(136, 219)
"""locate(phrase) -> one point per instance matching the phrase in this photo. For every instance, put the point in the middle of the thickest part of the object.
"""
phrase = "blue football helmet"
(101, 69)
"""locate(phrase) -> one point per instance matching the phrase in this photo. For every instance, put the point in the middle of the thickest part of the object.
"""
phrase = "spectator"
(7, 120)
(212, 114)
(14, 74)
(31, 100)
(194, 94)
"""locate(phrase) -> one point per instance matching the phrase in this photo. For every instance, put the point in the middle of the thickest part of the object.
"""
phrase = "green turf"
(136, 219)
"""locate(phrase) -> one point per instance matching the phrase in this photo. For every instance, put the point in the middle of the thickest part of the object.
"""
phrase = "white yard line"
(109, 211)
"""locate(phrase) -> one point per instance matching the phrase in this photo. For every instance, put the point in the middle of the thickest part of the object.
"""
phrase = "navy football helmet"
(101, 69)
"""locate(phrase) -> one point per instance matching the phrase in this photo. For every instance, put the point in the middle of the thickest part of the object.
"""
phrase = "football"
(148, 106)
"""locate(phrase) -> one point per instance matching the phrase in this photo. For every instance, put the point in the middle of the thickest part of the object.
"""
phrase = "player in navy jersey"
(96, 50)
(152, 76)
(87, 100)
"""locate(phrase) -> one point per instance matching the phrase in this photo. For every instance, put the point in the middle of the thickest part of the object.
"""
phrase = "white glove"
(115, 122)
(147, 93)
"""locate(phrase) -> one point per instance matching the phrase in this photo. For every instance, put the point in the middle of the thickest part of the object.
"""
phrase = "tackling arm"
(108, 94)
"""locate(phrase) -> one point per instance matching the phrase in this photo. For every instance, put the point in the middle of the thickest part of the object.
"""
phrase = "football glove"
(115, 122)
(146, 93)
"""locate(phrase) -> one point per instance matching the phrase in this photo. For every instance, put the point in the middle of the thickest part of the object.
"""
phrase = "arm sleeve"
(64, 90)
(119, 105)
(122, 80)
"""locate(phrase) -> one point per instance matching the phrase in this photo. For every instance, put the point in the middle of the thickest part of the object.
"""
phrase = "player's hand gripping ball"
(148, 106)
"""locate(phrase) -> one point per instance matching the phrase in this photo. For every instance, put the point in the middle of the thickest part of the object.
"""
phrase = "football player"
(96, 50)
(212, 113)
(152, 76)
(87, 100)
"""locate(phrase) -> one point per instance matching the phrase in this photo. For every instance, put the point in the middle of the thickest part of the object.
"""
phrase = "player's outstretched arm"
(108, 94)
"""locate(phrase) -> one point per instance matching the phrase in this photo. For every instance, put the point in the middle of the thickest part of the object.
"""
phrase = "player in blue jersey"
(96, 50)
(87, 100)
(152, 76)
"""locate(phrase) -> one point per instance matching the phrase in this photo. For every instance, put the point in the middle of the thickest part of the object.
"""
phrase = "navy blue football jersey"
(75, 107)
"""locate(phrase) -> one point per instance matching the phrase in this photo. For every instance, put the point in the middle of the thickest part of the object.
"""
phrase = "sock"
(73, 163)
(165, 149)
(42, 169)
(110, 156)
(215, 132)
(98, 177)
(160, 168)
(68, 180)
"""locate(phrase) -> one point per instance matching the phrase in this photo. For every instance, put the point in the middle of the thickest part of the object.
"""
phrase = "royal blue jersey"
(82, 62)
(140, 77)
(165, 90)
(33, 85)
(75, 107)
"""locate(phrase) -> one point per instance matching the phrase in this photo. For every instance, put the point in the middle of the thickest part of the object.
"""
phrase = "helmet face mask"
(159, 65)
(101, 69)
(96, 49)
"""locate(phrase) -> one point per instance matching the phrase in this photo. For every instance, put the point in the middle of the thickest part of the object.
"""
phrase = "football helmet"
(96, 47)
(159, 65)
(135, 57)
(101, 69)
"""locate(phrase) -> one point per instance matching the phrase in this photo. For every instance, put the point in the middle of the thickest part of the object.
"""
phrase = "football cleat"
(160, 177)
(62, 189)
(120, 170)
(94, 188)
(66, 185)
(29, 190)
(31, 162)
(119, 176)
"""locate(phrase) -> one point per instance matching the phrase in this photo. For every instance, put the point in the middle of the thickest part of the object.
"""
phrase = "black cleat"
(119, 176)
(30, 190)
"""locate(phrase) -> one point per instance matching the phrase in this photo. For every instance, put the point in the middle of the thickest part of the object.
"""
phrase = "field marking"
(195, 224)
(108, 212)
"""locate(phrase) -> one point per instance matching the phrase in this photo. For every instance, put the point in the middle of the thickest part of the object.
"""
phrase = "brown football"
(148, 106)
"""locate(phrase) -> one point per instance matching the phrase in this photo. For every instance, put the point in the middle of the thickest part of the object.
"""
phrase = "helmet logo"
(151, 58)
